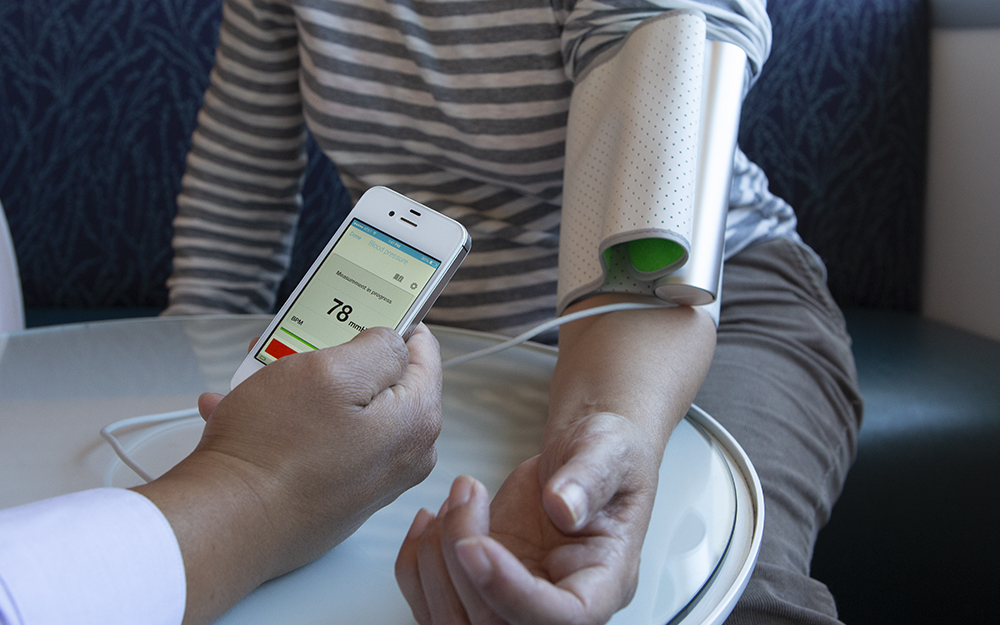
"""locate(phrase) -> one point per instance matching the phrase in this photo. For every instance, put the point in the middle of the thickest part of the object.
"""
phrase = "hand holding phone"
(385, 266)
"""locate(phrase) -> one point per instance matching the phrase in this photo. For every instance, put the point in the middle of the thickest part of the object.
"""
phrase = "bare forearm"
(645, 365)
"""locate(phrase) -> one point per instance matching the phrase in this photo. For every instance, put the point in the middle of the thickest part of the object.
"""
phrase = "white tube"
(699, 280)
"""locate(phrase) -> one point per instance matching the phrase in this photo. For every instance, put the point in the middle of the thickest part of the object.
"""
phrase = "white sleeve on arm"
(103, 556)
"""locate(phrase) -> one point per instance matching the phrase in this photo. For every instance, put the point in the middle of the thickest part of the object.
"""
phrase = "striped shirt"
(459, 104)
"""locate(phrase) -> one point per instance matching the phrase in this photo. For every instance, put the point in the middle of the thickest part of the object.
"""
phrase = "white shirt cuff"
(103, 556)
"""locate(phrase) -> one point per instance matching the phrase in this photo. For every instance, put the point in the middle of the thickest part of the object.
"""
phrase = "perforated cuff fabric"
(631, 159)
(649, 155)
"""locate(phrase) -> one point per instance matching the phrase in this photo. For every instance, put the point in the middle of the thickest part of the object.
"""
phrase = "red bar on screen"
(279, 349)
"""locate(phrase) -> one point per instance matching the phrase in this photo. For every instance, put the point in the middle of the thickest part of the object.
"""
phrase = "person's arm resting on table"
(561, 540)
(290, 464)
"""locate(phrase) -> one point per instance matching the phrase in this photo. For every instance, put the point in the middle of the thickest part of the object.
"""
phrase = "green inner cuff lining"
(648, 255)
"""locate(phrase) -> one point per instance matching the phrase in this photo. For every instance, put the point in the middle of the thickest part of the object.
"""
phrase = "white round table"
(59, 386)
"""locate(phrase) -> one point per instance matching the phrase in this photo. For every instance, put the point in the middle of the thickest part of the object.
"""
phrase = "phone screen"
(368, 279)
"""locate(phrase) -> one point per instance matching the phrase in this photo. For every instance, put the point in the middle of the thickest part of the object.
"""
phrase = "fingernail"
(420, 522)
(461, 491)
(472, 555)
(575, 499)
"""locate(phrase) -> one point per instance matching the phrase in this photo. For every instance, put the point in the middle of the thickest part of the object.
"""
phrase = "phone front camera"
(391, 213)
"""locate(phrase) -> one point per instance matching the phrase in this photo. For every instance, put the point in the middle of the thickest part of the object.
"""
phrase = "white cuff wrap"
(649, 149)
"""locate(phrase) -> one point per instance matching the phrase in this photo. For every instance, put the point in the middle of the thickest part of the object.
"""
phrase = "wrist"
(217, 508)
(646, 365)
(600, 459)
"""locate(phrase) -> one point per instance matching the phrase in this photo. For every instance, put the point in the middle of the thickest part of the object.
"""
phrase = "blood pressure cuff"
(633, 164)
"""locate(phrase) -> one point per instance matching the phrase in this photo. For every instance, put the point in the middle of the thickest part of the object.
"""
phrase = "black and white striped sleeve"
(239, 198)
(594, 25)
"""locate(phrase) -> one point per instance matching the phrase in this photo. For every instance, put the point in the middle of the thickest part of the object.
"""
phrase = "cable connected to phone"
(108, 432)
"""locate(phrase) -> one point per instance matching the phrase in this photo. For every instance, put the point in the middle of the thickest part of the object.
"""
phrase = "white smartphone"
(385, 266)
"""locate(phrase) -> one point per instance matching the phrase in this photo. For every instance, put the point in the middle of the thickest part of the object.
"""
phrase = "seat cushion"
(912, 539)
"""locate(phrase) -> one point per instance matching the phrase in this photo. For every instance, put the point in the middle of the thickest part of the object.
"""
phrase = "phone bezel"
(406, 220)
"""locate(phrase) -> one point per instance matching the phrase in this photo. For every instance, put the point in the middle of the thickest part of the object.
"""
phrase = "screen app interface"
(368, 279)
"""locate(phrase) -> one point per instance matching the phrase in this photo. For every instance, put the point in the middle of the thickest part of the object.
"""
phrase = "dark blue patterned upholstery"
(98, 100)
(838, 121)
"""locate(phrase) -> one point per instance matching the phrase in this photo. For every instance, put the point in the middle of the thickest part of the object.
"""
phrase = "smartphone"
(385, 266)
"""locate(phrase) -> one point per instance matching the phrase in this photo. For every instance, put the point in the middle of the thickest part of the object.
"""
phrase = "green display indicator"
(298, 338)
